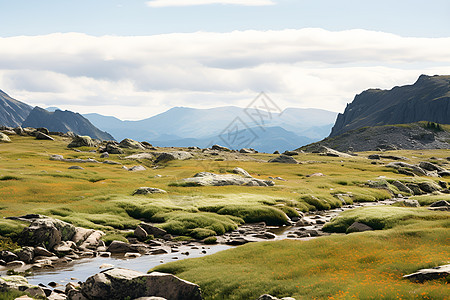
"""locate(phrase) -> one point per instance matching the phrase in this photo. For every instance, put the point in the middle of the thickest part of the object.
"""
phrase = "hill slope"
(388, 137)
(428, 99)
(12, 111)
(64, 121)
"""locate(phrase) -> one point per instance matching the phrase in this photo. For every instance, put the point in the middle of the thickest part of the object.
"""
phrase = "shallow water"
(81, 269)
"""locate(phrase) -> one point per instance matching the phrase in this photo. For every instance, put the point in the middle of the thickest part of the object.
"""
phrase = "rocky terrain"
(428, 99)
(414, 136)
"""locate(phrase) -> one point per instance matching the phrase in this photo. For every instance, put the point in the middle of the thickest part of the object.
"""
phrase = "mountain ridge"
(12, 112)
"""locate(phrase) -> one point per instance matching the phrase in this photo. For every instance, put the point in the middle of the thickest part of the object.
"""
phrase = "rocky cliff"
(428, 99)
(63, 121)
(12, 111)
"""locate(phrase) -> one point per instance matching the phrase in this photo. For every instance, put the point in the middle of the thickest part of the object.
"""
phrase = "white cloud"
(165, 3)
(136, 77)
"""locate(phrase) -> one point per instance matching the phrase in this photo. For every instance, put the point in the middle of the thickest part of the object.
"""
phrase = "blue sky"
(133, 59)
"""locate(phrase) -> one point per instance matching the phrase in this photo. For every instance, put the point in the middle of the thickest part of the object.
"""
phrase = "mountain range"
(12, 111)
(182, 126)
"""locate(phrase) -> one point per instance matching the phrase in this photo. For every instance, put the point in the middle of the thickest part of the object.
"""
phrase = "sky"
(134, 59)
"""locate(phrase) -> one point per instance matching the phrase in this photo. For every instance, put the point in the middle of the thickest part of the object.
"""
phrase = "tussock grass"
(253, 214)
(363, 266)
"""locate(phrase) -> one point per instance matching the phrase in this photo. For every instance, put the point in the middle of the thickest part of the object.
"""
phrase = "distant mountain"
(63, 121)
(12, 111)
(428, 99)
(267, 140)
(189, 126)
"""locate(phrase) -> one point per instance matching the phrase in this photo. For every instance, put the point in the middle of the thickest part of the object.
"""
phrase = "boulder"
(104, 155)
(148, 156)
(75, 168)
(284, 159)
(358, 227)
(93, 240)
(121, 247)
(148, 190)
(137, 168)
(409, 203)
(211, 179)
(429, 187)
(131, 144)
(43, 136)
(374, 156)
(290, 153)
(444, 173)
(8, 256)
(81, 141)
(241, 172)
(402, 188)
(20, 283)
(40, 251)
(42, 130)
(412, 168)
(440, 203)
(26, 254)
(429, 274)
(176, 155)
(153, 230)
(121, 283)
(248, 151)
(331, 152)
(4, 138)
(112, 148)
(415, 189)
(19, 130)
(220, 148)
(47, 232)
(430, 166)
(140, 233)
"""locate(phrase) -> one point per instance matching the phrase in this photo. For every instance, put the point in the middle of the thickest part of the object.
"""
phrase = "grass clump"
(253, 214)
(202, 233)
(11, 228)
(109, 237)
(381, 217)
(8, 244)
(319, 204)
(210, 240)
(289, 211)
(9, 177)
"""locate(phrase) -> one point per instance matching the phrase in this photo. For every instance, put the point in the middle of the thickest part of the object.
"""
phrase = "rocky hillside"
(12, 111)
(428, 99)
(421, 135)
(63, 121)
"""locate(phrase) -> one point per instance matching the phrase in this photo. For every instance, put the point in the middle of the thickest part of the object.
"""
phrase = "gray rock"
(415, 189)
(26, 254)
(40, 251)
(415, 169)
(176, 155)
(43, 136)
(148, 156)
(113, 148)
(409, 203)
(20, 283)
(137, 168)
(8, 256)
(429, 274)
(402, 188)
(15, 264)
(284, 159)
(148, 190)
(442, 184)
(120, 283)
(241, 172)
(76, 168)
(131, 144)
(358, 227)
(140, 233)
(374, 156)
(19, 131)
(153, 230)
(440, 203)
(4, 138)
(247, 151)
(290, 153)
(104, 155)
(211, 179)
(93, 240)
(429, 187)
(220, 148)
(444, 173)
(430, 166)
(46, 231)
(81, 141)
(121, 247)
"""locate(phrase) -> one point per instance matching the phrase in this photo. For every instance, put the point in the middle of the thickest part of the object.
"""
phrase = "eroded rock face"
(121, 283)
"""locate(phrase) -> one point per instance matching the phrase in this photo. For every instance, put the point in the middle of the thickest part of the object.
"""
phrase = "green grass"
(366, 265)
(253, 214)
(383, 217)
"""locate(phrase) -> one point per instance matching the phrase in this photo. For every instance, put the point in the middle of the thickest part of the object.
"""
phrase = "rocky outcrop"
(120, 283)
(20, 283)
(211, 179)
(426, 100)
(81, 141)
(131, 144)
(429, 274)
(148, 190)
(176, 155)
(4, 138)
(284, 159)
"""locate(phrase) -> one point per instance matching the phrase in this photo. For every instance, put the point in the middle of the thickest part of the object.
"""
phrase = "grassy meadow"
(366, 265)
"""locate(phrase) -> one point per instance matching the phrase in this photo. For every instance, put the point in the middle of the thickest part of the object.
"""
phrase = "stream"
(81, 269)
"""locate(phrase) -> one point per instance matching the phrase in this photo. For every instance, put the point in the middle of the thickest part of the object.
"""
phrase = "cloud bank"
(167, 3)
(136, 77)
